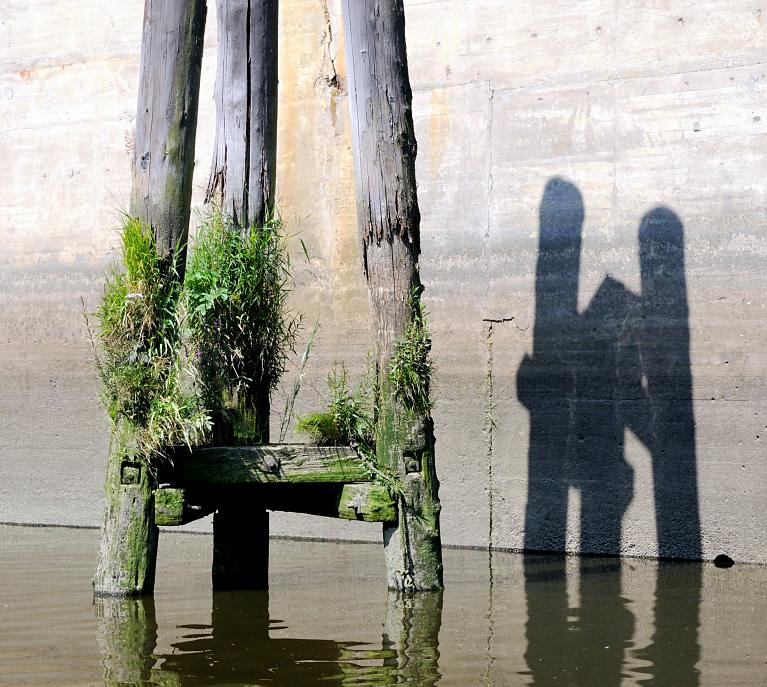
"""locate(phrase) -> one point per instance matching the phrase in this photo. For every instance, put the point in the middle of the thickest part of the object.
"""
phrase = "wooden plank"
(272, 463)
(169, 507)
(364, 501)
(367, 501)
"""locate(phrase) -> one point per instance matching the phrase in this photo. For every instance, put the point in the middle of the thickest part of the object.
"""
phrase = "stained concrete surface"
(581, 402)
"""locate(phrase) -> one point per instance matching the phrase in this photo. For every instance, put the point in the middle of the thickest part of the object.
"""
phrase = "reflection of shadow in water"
(583, 645)
(673, 653)
(236, 648)
(593, 643)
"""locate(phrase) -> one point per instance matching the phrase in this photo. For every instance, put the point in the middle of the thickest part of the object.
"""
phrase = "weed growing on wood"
(236, 316)
(138, 353)
(348, 420)
(290, 398)
(231, 313)
(410, 368)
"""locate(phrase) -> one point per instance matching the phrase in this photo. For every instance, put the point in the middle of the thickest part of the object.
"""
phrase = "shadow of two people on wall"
(622, 363)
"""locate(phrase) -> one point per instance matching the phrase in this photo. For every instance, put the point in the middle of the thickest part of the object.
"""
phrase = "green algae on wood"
(128, 548)
(369, 502)
(126, 635)
(276, 463)
(174, 507)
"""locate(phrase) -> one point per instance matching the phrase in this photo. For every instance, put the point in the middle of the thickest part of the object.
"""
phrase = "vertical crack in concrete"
(489, 426)
(491, 92)
(331, 79)
(488, 430)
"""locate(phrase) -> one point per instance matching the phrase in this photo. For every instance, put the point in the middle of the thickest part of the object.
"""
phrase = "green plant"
(236, 315)
(290, 398)
(137, 354)
(410, 367)
(348, 420)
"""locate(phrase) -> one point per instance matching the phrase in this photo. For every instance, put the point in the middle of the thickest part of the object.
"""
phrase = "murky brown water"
(328, 620)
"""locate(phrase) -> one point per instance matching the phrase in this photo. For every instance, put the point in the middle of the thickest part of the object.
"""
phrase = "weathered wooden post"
(245, 155)
(384, 149)
(241, 184)
(166, 123)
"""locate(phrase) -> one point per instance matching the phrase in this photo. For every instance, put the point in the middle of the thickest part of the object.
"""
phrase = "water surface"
(328, 620)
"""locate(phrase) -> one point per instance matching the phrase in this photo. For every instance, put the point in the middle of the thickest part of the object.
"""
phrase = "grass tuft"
(348, 420)
(411, 368)
(235, 299)
(138, 353)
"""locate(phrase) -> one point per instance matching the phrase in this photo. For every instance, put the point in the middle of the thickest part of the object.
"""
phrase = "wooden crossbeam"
(271, 463)
(365, 501)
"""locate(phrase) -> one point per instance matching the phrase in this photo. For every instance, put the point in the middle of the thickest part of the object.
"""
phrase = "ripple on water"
(544, 620)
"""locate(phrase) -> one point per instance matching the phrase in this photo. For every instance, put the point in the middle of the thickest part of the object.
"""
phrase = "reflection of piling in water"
(412, 629)
(236, 647)
(126, 634)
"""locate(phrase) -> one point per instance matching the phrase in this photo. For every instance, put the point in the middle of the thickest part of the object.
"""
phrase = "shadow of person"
(623, 363)
(673, 652)
(588, 642)
(237, 647)
(667, 424)
(545, 381)
(570, 385)
(581, 643)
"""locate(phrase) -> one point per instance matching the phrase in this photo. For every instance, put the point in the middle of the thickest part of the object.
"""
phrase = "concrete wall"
(591, 180)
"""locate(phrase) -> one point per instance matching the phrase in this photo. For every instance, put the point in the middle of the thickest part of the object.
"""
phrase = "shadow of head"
(561, 216)
(559, 251)
(661, 253)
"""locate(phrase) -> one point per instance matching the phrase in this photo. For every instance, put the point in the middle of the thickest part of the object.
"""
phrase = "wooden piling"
(241, 184)
(166, 124)
(384, 147)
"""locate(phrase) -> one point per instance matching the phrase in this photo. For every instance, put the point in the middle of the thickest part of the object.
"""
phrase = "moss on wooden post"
(171, 55)
(384, 149)
(128, 549)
